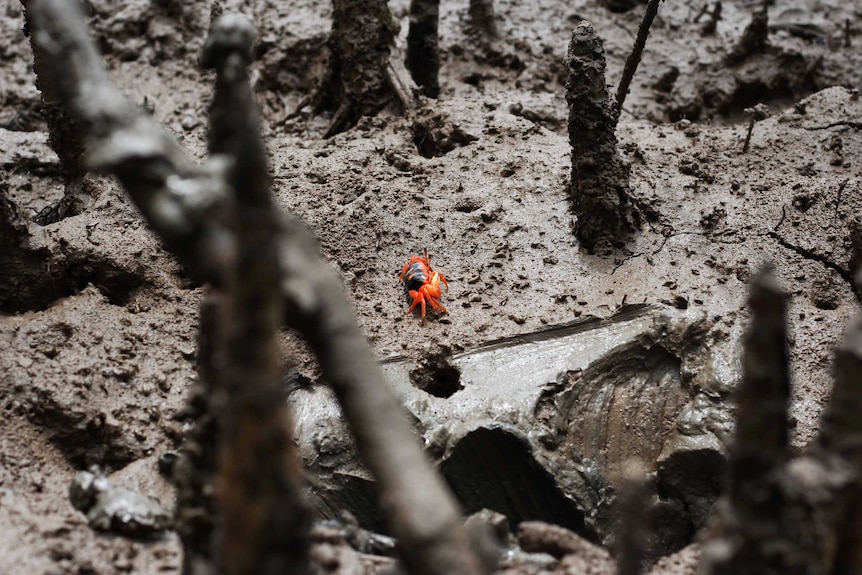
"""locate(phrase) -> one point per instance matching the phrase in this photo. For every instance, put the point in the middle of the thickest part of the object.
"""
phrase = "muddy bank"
(98, 324)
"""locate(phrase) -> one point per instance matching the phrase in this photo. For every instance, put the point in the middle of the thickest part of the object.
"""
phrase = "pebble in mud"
(117, 509)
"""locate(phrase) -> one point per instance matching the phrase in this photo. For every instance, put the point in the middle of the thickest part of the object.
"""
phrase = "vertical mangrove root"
(786, 515)
(193, 474)
(761, 441)
(360, 79)
(423, 54)
(265, 524)
(600, 179)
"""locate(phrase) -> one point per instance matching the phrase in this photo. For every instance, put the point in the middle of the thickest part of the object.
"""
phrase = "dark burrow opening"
(41, 282)
(493, 468)
(436, 375)
(438, 380)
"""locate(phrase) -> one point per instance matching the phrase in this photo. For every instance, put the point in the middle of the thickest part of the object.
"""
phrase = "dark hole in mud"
(802, 202)
(42, 285)
(439, 379)
(695, 478)
(495, 469)
(619, 6)
(116, 284)
(749, 94)
(84, 441)
(435, 135)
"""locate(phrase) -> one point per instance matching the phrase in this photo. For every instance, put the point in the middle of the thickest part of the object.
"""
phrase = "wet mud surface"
(98, 325)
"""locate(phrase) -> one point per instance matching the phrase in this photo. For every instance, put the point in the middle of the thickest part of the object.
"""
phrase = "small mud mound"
(435, 135)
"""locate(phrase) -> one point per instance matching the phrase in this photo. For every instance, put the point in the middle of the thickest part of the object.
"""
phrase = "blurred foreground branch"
(265, 523)
(787, 515)
(179, 200)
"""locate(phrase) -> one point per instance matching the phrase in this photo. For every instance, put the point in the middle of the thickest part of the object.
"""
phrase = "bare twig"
(635, 57)
(400, 82)
(176, 197)
(703, 10)
(755, 114)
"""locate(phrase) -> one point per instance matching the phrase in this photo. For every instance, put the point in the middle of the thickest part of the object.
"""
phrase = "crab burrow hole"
(436, 375)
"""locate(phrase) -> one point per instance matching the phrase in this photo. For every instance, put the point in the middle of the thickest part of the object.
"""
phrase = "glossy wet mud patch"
(540, 425)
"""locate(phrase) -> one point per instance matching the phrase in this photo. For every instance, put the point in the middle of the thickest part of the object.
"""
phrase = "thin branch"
(635, 57)
(177, 199)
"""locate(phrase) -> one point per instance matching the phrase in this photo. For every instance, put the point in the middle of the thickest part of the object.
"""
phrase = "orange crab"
(423, 284)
